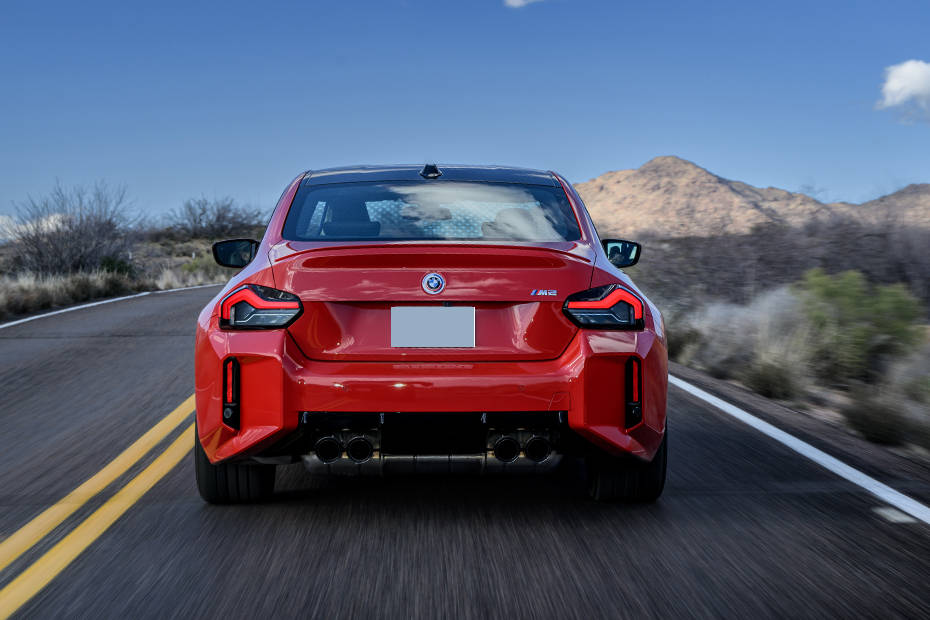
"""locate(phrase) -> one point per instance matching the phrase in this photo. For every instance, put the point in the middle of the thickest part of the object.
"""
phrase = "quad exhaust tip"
(328, 449)
(507, 449)
(537, 449)
(359, 449)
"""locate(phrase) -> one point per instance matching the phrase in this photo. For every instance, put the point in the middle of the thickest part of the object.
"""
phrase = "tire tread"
(231, 483)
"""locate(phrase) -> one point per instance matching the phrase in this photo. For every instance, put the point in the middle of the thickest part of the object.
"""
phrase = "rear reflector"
(231, 393)
(634, 392)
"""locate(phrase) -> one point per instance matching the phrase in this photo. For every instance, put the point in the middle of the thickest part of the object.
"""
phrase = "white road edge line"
(878, 489)
(100, 303)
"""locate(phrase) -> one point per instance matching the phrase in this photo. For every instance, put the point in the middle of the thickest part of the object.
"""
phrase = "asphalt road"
(746, 528)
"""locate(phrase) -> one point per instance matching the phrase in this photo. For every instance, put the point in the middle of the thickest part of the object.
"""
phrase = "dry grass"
(27, 293)
(179, 277)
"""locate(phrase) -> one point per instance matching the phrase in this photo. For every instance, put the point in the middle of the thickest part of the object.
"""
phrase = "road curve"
(746, 527)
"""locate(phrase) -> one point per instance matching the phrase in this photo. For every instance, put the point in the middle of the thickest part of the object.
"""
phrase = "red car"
(430, 319)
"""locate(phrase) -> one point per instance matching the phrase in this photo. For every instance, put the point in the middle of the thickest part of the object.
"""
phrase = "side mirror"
(235, 253)
(622, 253)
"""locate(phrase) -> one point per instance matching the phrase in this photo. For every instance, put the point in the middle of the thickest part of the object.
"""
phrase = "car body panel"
(336, 356)
(348, 294)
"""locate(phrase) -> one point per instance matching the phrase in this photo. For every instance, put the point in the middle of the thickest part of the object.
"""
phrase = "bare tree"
(73, 230)
(211, 219)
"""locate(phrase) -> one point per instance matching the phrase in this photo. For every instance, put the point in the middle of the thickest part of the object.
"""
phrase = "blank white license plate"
(432, 326)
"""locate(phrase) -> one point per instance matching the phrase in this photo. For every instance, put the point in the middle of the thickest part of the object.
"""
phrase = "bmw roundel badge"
(433, 283)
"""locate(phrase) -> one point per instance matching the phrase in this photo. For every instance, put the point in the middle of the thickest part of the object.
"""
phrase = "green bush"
(857, 328)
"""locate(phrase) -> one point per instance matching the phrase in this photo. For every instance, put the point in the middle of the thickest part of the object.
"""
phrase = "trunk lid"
(348, 291)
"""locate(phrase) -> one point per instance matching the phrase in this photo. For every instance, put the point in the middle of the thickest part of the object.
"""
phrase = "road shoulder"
(905, 472)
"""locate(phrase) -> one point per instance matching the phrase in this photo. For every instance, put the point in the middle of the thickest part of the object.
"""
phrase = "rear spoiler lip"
(288, 249)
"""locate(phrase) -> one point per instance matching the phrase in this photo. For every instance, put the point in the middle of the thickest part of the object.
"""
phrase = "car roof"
(411, 172)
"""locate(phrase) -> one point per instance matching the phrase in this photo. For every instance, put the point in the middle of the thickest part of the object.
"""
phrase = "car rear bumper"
(280, 391)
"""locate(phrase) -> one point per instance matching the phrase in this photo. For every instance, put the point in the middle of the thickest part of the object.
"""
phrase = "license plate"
(432, 327)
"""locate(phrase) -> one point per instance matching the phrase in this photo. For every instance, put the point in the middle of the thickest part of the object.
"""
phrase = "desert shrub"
(201, 269)
(208, 269)
(857, 328)
(26, 293)
(116, 265)
(910, 376)
(72, 230)
(772, 379)
(762, 343)
(908, 384)
(681, 337)
(202, 218)
(176, 277)
(879, 419)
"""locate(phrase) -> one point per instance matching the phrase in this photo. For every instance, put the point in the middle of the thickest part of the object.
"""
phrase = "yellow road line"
(34, 531)
(31, 581)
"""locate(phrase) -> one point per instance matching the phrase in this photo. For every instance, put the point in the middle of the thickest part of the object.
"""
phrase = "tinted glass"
(235, 252)
(443, 210)
(622, 253)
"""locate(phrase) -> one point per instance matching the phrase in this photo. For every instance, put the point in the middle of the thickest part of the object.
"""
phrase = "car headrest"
(352, 229)
(350, 212)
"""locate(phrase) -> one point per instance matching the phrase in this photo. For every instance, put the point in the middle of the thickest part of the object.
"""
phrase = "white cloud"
(516, 4)
(7, 228)
(11, 228)
(907, 86)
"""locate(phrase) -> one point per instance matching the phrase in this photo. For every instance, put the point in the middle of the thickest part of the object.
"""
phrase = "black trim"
(448, 432)
(411, 172)
(430, 171)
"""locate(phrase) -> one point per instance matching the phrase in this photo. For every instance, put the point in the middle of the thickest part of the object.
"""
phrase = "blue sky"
(228, 98)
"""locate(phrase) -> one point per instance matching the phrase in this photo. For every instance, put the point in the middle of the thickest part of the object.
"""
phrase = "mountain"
(909, 206)
(672, 197)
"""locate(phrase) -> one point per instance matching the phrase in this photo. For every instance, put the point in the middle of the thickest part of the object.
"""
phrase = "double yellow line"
(38, 575)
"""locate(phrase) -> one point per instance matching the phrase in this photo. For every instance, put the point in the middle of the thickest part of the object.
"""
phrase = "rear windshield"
(444, 210)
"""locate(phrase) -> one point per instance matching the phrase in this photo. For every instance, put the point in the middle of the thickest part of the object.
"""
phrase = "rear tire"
(231, 483)
(618, 479)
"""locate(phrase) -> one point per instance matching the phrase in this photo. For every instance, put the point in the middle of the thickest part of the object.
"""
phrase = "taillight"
(634, 392)
(258, 307)
(605, 307)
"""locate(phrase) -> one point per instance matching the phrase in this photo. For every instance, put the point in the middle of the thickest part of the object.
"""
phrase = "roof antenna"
(430, 171)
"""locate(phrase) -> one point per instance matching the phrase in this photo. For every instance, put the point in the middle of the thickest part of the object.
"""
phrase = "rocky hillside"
(671, 197)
